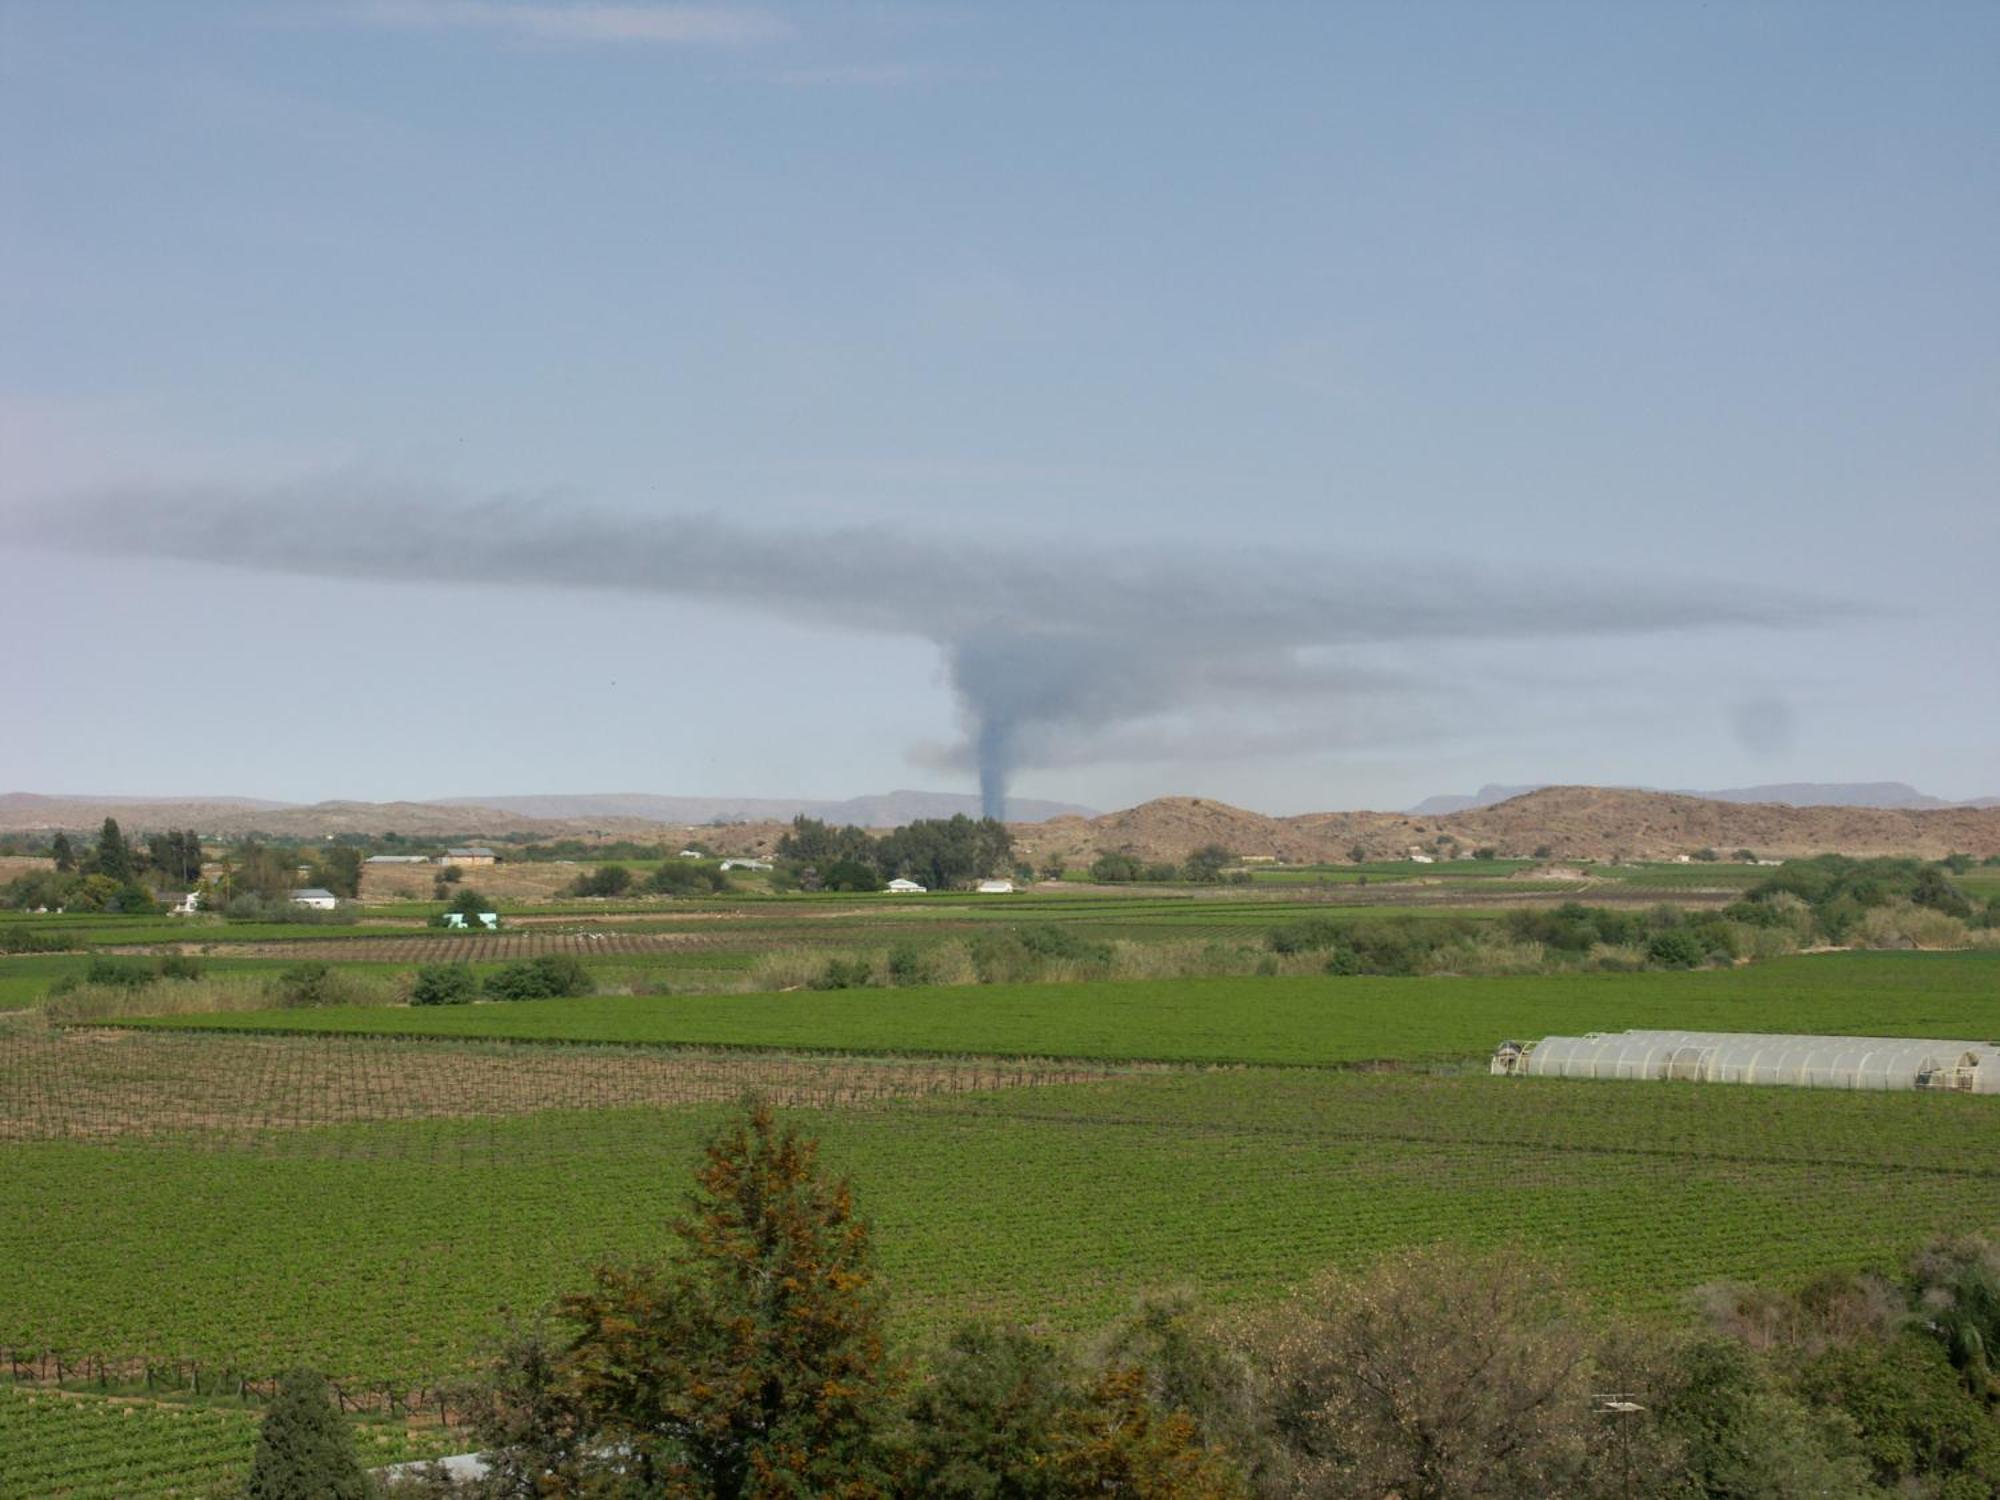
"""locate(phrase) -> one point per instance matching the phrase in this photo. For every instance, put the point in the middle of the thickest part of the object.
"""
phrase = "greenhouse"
(1814, 1062)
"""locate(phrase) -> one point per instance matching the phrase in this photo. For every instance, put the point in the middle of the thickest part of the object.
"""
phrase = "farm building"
(186, 906)
(996, 887)
(746, 864)
(905, 887)
(1821, 1062)
(457, 922)
(397, 859)
(316, 898)
(473, 856)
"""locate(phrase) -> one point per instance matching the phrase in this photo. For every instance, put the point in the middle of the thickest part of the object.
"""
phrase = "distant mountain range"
(883, 810)
(1896, 794)
(551, 816)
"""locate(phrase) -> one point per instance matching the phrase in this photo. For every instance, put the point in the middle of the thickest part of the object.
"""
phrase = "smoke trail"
(1056, 657)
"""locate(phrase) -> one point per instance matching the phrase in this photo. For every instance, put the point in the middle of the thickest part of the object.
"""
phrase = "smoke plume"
(1057, 656)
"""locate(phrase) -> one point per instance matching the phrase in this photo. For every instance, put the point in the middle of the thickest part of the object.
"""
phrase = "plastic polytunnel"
(1823, 1062)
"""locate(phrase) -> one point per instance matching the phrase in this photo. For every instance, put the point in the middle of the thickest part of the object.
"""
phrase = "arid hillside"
(1569, 822)
(1572, 822)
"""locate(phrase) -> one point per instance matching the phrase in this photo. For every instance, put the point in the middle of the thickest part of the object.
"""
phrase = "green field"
(386, 1252)
(1256, 1020)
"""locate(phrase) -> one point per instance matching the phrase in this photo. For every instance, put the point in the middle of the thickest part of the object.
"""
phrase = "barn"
(471, 856)
(1814, 1062)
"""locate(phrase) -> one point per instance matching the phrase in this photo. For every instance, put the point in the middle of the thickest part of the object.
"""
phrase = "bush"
(306, 984)
(844, 974)
(1048, 941)
(123, 973)
(551, 977)
(444, 984)
(179, 966)
(605, 880)
(909, 965)
(1676, 948)
(683, 877)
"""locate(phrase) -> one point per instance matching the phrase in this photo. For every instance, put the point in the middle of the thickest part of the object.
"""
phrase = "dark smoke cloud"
(1057, 656)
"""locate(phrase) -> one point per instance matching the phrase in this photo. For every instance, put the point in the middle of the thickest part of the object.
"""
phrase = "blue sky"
(1525, 304)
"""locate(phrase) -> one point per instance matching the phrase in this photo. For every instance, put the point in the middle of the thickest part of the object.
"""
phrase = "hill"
(884, 810)
(1573, 822)
(1793, 793)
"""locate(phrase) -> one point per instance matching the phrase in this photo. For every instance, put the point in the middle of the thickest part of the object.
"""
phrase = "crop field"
(1254, 1020)
(1055, 1203)
(109, 1085)
(65, 1445)
(206, 1199)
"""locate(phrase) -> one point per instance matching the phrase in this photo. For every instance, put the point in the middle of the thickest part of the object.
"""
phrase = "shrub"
(553, 976)
(306, 984)
(844, 974)
(179, 966)
(909, 965)
(683, 877)
(1676, 948)
(605, 880)
(444, 984)
(1115, 869)
(123, 973)
(1049, 941)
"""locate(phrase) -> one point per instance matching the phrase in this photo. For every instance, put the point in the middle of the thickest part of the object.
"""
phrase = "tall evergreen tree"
(64, 853)
(114, 856)
(304, 1450)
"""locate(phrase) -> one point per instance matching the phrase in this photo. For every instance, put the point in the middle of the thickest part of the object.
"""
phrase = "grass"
(1257, 1020)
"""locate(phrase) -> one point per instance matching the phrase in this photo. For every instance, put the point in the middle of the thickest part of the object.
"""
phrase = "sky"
(1308, 406)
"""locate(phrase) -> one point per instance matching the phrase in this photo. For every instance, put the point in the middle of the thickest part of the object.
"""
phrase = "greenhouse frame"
(1814, 1062)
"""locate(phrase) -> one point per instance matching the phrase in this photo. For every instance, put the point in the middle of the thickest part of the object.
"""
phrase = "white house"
(746, 864)
(186, 906)
(455, 920)
(996, 887)
(1417, 857)
(906, 887)
(690, 854)
(316, 898)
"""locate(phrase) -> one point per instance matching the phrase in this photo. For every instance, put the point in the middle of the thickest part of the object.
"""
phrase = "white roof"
(314, 893)
(900, 884)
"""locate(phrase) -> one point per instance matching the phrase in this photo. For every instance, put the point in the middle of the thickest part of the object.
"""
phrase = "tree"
(304, 1450)
(1119, 1443)
(1358, 854)
(1432, 1376)
(64, 854)
(1206, 864)
(339, 871)
(1115, 869)
(987, 1422)
(114, 855)
(752, 1365)
(851, 875)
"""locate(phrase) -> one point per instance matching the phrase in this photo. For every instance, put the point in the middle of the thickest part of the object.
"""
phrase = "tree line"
(937, 853)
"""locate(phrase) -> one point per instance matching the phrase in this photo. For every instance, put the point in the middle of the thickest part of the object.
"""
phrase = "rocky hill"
(1571, 822)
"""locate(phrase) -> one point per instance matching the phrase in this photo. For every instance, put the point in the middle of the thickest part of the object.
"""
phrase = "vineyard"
(389, 1265)
(117, 1086)
(1254, 1020)
(84, 1447)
